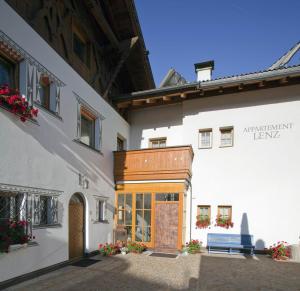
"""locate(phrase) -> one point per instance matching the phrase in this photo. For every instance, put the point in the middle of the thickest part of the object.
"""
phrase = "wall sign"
(269, 131)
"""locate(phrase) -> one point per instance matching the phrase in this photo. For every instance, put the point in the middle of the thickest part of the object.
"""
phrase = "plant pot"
(123, 253)
(15, 247)
(282, 258)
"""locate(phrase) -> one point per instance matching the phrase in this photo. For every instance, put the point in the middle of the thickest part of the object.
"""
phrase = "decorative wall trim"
(32, 61)
(30, 190)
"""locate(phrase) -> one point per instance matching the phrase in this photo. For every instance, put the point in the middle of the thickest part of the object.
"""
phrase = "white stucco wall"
(45, 155)
(258, 178)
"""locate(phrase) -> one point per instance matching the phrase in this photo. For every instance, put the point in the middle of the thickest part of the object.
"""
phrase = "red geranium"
(16, 104)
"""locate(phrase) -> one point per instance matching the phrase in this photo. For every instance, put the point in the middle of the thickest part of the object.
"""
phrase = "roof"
(172, 78)
(279, 74)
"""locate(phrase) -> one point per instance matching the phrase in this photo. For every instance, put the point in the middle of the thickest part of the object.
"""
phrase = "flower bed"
(202, 223)
(193, 246)
(13, 233)
(113, 249)
(16, 104)
(279, 251)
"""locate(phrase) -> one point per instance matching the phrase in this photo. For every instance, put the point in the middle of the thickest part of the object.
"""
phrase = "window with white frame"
(205, 138)
(160, 142)
(101, 209)
(226, 136)
(89, 126)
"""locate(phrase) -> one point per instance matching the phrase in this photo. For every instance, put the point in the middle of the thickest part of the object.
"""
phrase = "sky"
(240, 36)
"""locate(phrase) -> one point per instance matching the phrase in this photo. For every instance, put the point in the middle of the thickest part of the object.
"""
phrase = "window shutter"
(98, 133)
(97, 210)
(52, 97)
(78, 121)
(22, 77)
(30, 75)
(36, 210)
(105, 210)
(38, 86)
(57, 108)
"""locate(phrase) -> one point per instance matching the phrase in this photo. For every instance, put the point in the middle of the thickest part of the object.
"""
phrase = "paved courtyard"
(194, 272)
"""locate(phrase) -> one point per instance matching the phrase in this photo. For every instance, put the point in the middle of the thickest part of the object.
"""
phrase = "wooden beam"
(261, 84)
(221, 90)
(284, 80)
(124, 104)
(150, 101)
(183, 96)
(128, 45)
(96, 10)
(167, 98)
(137, 102)
(241, 86)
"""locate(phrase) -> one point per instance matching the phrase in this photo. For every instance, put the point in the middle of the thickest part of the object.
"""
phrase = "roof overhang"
(175, 94)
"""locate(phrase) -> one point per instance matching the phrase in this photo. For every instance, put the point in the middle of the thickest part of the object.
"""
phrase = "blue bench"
(230, 242)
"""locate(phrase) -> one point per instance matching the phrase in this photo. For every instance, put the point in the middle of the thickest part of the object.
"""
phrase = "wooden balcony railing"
(154, 164)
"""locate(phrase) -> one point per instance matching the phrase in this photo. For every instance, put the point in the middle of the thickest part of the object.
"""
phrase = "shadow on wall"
(52, 137)
(259, 244)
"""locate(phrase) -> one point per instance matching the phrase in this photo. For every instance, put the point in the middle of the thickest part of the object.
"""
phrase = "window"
(203, 213)
(101, 210)
(124, 212)
(167, 197)
(120, 144)
(226, 136)
(205, 138)
(224, 213)
(158, 142)
(45, 210)
(13, 206)
(81, 46)
(87, 128)
(7, 72)
(45, 91)
(143, 217)
(89, 125)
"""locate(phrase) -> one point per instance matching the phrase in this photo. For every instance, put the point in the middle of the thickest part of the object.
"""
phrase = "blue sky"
(240, 36)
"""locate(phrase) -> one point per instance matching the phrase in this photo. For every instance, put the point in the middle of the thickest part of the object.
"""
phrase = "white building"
(243, 132)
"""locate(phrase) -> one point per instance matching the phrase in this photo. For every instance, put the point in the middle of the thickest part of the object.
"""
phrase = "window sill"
(47, 110)
(101, 221)
(47, 226)
(202, 148)
(225, 146)
(87, 146)
(34, 121)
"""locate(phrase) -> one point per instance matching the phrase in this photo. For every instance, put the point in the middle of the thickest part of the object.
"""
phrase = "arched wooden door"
(76, 226)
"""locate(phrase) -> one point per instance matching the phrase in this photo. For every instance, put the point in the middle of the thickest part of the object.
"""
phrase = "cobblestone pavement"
(194, 272)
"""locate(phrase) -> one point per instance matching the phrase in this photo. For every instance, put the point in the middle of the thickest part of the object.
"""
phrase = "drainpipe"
(190, 184)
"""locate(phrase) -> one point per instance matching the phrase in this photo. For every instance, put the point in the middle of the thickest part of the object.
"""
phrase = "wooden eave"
(179, 94)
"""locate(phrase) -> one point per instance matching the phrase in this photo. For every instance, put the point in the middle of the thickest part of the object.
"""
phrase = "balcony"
(170, 163)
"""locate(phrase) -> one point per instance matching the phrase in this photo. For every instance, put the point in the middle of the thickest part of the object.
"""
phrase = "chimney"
(204, 70)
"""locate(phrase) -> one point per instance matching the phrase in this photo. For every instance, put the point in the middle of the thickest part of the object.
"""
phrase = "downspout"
(190, 184)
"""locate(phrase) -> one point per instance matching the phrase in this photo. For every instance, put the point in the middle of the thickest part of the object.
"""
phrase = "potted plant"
(13, 235)
(124, 250)
(136, 248)
(185, 250)
(108, 249)
(193, 246)
(279, 251)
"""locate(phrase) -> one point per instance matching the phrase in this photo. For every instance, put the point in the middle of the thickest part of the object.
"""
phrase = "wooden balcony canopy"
(169, 163)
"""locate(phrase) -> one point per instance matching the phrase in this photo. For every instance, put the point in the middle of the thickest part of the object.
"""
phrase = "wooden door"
(76, 228)
(166, 225)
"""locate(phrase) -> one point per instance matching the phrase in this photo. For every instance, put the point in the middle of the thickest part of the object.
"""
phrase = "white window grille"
(205, 138)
